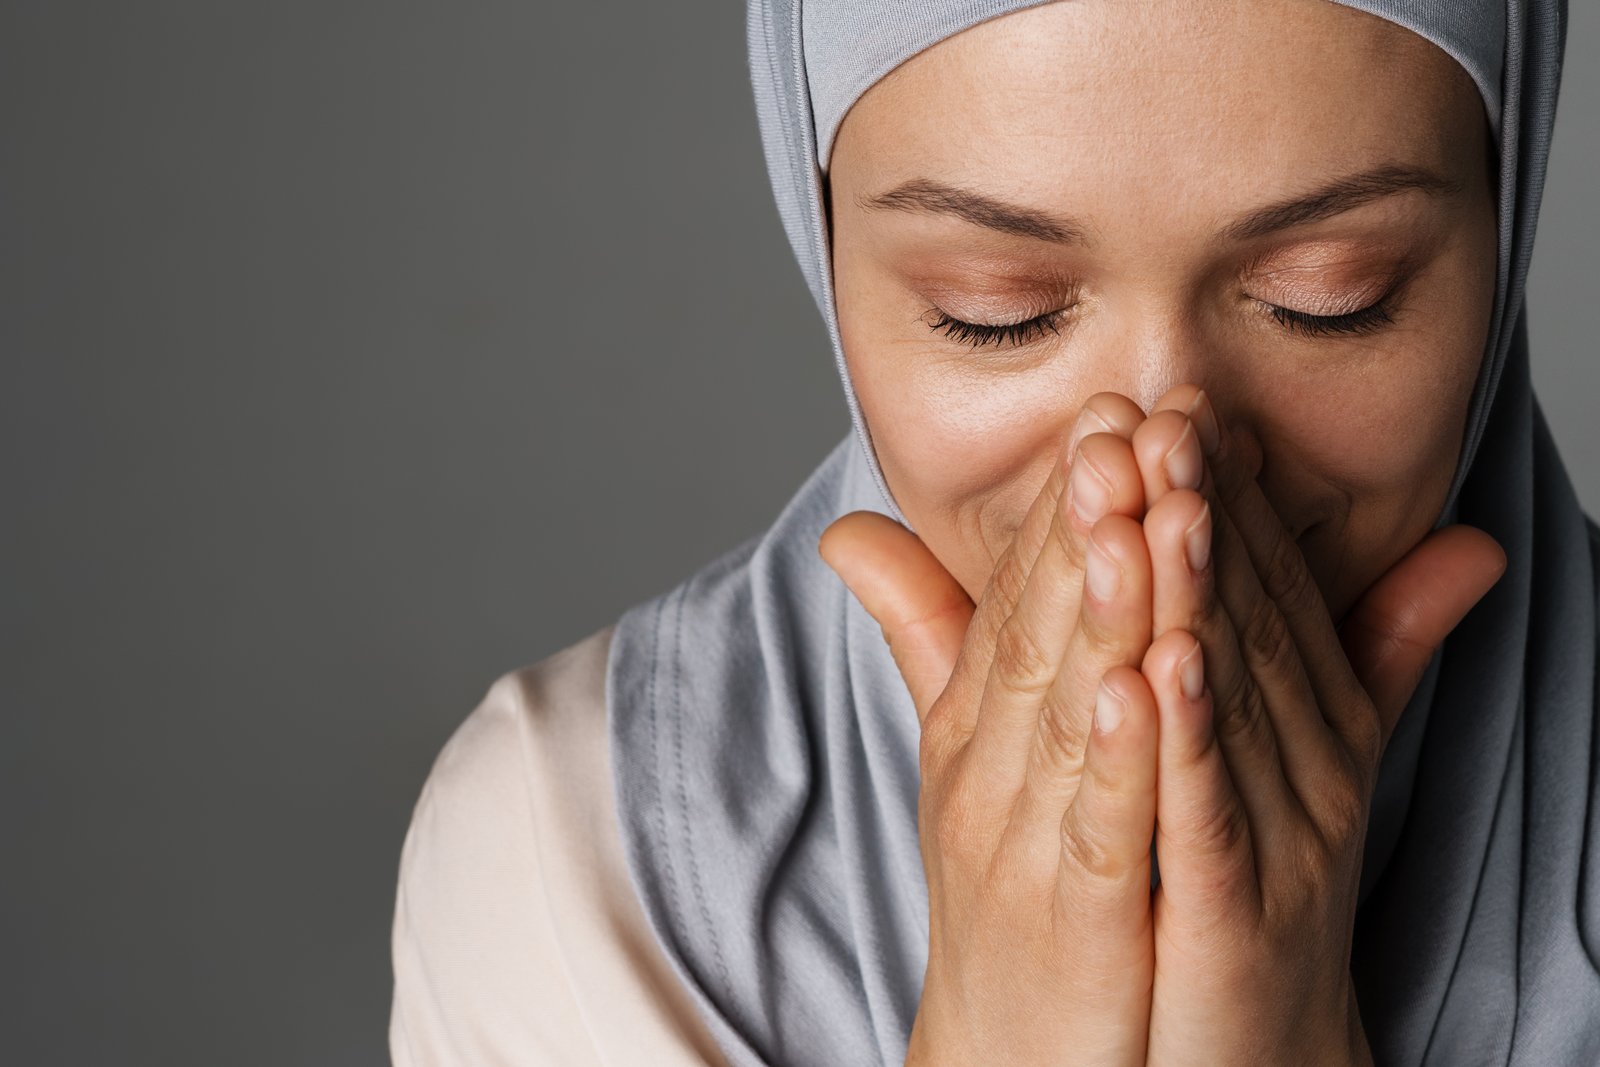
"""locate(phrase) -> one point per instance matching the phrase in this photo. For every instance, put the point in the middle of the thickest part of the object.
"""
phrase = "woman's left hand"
(1271, 723)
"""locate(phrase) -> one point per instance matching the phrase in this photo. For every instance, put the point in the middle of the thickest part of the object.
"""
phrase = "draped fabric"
(764, 747)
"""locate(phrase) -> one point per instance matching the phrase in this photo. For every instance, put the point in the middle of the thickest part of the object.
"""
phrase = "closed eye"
(1370, 318)
(978, 334)
(1016, 334)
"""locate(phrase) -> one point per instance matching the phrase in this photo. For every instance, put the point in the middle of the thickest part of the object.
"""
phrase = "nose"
(1160, 350)
(1166, 356)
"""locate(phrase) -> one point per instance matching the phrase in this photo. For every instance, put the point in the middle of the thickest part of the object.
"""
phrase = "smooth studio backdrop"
(354, 354)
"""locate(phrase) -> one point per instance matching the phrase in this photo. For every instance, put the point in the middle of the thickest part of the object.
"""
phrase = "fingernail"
(1197, 539)
(1191, 674)
(1104, 575)
(1183, 460)
(1088, 423)
(1108, 709)
(1205, 421)
(1091, 493)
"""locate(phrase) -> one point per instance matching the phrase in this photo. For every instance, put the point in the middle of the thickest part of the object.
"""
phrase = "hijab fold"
(764, 747)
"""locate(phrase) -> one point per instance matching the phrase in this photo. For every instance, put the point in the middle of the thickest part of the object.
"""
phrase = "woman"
(1185, 347)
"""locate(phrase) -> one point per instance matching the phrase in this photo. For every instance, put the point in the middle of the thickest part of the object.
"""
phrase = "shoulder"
(525, 714)
(517, 936)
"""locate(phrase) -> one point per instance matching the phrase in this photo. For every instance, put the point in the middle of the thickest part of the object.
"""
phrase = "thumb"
(922, 610)
(1394, 628)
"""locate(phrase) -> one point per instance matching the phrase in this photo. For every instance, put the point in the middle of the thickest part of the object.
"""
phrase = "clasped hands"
(1151, 661)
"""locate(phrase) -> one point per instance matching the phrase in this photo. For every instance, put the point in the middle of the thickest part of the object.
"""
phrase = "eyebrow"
(1336, 197)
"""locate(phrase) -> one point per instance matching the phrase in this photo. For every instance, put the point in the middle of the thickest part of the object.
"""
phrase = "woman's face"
(1285, 202)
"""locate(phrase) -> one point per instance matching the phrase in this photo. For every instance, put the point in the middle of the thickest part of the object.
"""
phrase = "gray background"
(354, 354)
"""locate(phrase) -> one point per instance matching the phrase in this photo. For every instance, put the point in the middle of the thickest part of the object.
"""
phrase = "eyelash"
(978, 334)
(1366, 320)
(1370, 318)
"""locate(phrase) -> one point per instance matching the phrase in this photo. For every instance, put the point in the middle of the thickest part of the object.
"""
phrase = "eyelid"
(1330, 253)
(1017, 304)
(1342, 284)
(1318, 301)
(1019, 334)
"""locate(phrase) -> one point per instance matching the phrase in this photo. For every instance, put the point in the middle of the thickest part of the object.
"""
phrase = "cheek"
(1377, 433)
(1369, 453)
(965, 439)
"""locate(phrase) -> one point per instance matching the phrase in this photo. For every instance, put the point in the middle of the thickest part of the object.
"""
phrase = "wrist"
(1360, 1051)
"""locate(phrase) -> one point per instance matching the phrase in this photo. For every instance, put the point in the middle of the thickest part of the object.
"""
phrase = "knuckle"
(1010, 880)
(1265, 636)
(1101, 645)
(1061, 741)
(955, 828)
(1020, 662)
(1344, 802)
(1067, 541)
(1008, 578)
(938, 740)
(1245, 721)
(949, 833)
(1082, 669)
(1287, 579)
(1084, 848)
(1314, 872)
(1109, 781)
(930, 751)
(1218, 830)
(1366, 741)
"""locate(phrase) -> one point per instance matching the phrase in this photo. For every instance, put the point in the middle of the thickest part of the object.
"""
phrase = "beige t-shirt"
(517, 936)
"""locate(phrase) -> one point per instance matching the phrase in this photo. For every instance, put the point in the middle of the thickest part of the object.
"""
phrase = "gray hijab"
(764, 747)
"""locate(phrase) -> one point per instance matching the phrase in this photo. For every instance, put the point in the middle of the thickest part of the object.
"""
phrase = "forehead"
(1070, 97)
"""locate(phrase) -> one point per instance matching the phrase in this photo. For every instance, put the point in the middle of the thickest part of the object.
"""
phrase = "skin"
(1172, 578)
(1089, 109)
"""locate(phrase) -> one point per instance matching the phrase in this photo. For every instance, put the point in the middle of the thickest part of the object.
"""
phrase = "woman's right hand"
(1035, 829)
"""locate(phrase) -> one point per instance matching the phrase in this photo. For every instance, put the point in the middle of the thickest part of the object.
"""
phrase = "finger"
(1105, 412)
(1032, 641)
(922, 610)
(1102, 413)
(1274, 740)
(915, 607)
(913, 598)
(1102, 859)
(1016, 562)
(1111, 630)
(1204, 846)
(1392, 631)
(1169, 455)
(1281, 572)
(1319, 727)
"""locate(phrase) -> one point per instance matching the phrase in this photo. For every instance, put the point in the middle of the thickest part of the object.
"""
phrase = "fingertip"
(1110, 708)
(1116, 800)
(1175, 668)
(1122, 534)
(834, 545)
(1178, 397)
(1161, 658)
(1492, 559)
(1118, 411)
(896, 577)
(1117, 608)
(1173, 515)
(1123, 702)
(847, 547)
(1111, 457)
